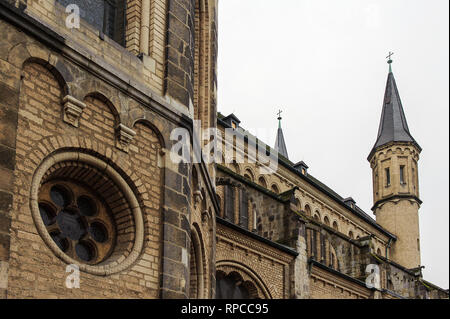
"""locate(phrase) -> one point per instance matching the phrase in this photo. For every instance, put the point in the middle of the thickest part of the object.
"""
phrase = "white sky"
(323, 63)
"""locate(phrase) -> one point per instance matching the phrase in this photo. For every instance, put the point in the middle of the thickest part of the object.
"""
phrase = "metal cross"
(279, 113)
(390, 55)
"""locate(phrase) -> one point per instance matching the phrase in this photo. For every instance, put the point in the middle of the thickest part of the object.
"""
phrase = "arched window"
(236, 168)
(335, 226)
(308, 210)
(229, 196)
(108, 16)
(297, 205)
(379, 251)
(249, 175)
(262, 182)
(233, 286)
(243, 209)
(275, 189)
(255, 217)
(326, 221)
(317, 216)
(350, 234)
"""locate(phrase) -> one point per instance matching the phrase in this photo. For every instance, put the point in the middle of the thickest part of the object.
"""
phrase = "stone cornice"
(396, 198)
(345, 281)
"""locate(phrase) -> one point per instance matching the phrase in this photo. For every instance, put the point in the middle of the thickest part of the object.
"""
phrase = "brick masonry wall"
(148, 72)
(34, 270)
(253, 259)
(47, 80)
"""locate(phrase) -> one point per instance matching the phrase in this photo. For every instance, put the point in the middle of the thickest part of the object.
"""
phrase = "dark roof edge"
(412, 272)
(392, 293)
(424, 282)
(290, 166)
(248, 233)
(340, 274)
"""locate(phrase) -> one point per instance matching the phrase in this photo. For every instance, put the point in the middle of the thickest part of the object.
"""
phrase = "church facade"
(98, 201)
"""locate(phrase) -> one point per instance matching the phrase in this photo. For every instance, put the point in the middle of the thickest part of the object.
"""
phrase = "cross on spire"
(389, 57)
(279, 118)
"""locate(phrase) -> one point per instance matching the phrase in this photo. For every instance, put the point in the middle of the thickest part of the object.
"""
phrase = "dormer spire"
(280, 144)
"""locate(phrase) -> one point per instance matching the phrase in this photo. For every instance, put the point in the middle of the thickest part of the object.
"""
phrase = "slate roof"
(393, 126)
(280, 144)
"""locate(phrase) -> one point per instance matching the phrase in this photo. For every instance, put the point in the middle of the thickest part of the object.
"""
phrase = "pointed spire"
(393, 126)
(280, 144)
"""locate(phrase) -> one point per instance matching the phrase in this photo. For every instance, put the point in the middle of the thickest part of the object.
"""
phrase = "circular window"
(78, 221)
(87, 213)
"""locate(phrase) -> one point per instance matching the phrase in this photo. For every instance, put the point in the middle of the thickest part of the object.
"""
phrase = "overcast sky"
(323, 63)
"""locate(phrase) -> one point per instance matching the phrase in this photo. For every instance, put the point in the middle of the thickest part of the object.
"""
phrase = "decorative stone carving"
(198, 197)
(206, 217)
(72, 110)
(124, 136)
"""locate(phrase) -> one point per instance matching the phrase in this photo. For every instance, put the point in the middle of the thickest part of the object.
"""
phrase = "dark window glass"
(85, 251)
(402, 174)
(107, 16)
(230, 288)
(77, 220)
(388, 177)
(243, 209)
(229, 203)
(60, 196)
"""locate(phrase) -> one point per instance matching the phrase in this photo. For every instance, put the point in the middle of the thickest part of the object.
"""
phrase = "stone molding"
(124, 137)
(72, 110)
(102, 269)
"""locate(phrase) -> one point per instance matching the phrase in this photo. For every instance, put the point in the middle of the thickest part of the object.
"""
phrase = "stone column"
(9, 102)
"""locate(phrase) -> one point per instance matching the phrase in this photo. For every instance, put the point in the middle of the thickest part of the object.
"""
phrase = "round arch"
(228, 266)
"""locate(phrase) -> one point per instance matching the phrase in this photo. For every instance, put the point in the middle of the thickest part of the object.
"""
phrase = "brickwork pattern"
(257, 260)
(40, 130)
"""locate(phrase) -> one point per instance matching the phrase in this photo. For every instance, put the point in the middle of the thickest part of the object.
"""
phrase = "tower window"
(388, 177)
(402, 175)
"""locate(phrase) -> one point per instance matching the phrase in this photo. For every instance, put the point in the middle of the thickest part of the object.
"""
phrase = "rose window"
(78, 221)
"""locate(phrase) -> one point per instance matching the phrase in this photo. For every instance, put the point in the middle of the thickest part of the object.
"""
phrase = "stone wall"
(101, 111)
(268, 268)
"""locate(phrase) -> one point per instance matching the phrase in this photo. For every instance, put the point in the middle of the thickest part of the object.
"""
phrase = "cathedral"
(104, 194)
